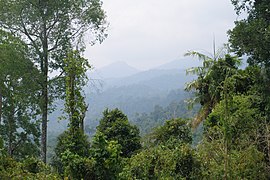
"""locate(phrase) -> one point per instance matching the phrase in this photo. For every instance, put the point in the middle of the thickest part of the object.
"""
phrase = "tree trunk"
(73, 119)
(44, 121)
(12, 128)
(9, 139)
(1, 99)
(45, 101)
(82, 124)
(226, 137)
(45, 96)
(83, 117)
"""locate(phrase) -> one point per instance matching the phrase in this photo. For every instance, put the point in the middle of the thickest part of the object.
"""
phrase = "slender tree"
(75, 106)
(73, 141)
(50, 28)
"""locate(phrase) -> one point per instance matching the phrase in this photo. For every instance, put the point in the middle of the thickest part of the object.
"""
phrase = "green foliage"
(246, 163)
(75, 145)
(2, 150)
(72, 149)
(19, 99)
(235, 140)
(51, 28)
(251, 36)
(163, 162)
(146, 122)
(115, 126)
(75, 106)
(76, 166)
(53, 25)
(235, 102)
(107, 157)
(173, 130)
(169, 155)
(245, 117)
(103, 160)
(30, 168)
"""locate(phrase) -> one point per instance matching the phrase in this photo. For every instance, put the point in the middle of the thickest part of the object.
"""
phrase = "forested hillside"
(137, 93)
(153, 124)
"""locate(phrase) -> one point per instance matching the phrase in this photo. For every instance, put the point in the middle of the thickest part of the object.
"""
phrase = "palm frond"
(192, 85)
(222, 51)
(192, 71)
(192, 101)
(199, 55)
(208, 63)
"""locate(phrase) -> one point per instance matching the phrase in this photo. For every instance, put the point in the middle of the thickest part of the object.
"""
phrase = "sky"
(149, 33)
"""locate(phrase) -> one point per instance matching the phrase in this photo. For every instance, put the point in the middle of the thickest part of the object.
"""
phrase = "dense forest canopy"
(230, 104)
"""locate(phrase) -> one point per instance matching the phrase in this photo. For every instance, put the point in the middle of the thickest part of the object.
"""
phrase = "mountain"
(114, 70)
(139, 92)
(149, 77)
(183, 64)
(132, 91)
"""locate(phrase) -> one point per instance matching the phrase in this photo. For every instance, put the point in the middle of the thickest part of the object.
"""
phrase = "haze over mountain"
(115, 70)
(183, 64)
(134, 91)
(140, 92)
(123, 75)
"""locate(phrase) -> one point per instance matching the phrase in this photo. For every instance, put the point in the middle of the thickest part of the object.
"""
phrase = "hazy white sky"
(148, 33)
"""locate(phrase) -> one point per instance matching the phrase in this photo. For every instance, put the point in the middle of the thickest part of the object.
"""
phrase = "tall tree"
(20, 98)
(51, 28)
(251, 36)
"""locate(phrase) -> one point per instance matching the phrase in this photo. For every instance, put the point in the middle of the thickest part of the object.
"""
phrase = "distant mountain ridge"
(115, 70)
(121, 74)
(149, 77)
(182, 63)
(140, 92)
(131, 90)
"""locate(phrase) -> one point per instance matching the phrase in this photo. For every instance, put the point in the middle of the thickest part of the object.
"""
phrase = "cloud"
(147, 33)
